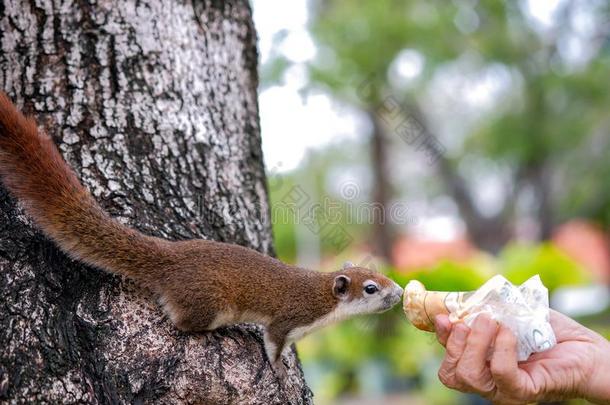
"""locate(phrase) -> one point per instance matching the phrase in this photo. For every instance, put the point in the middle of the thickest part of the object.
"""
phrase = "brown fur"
(197, 280)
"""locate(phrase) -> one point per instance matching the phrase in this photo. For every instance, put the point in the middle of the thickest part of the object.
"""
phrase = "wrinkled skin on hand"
(483, 360)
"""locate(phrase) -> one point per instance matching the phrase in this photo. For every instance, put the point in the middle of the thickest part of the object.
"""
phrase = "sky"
(290, 123)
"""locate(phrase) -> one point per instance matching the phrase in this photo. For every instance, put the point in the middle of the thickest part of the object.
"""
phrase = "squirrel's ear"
(347, 265)
(341, 286)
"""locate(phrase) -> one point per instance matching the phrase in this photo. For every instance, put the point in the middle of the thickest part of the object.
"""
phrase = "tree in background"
(154, 104)
(512, 111)
(542, 136)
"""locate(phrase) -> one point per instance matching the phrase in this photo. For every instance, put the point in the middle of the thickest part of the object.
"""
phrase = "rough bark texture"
(153, 102)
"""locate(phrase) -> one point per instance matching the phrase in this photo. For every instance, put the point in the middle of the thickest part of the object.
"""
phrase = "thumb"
(566, 328)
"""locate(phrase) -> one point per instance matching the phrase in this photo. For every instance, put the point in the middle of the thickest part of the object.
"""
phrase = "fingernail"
(483, 322)
(460, 332)
(438, 324)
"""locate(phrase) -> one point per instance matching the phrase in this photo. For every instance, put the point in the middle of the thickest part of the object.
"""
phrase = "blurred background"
(445, 141)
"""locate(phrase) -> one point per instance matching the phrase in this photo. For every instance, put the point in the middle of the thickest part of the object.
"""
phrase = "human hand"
(578, 366)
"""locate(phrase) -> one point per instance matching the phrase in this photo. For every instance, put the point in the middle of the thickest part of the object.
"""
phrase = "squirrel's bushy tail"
(33, 170)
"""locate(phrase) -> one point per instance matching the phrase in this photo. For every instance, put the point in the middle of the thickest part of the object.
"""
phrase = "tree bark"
(154, 104)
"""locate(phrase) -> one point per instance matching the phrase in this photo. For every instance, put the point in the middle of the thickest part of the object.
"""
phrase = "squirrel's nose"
(395, 295)
(398, 290)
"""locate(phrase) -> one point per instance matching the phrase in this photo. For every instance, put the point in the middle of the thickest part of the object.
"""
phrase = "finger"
(442, 326)
(509, 378)
(456, 342)
(472, 369)
(566, 328)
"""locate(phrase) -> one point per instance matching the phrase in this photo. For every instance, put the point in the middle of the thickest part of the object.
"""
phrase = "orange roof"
(586, 244)
(412, 253)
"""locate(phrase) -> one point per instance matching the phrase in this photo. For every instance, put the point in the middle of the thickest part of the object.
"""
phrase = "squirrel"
(201, 284)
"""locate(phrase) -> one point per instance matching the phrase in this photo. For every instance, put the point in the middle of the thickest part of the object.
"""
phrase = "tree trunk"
(153, 102)
(541, 182)
(489, 234)
(382, 232)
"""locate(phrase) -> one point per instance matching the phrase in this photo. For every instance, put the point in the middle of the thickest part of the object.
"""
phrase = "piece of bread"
(421, 306)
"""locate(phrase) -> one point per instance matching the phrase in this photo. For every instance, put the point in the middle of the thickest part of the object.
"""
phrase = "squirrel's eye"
(370, 289)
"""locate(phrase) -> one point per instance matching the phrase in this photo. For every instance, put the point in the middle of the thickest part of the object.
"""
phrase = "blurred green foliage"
(550, 128)
(520, 262)
(548, 138)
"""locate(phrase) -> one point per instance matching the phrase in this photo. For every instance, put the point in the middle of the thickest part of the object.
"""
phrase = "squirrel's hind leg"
(275, 343)
(193, 319)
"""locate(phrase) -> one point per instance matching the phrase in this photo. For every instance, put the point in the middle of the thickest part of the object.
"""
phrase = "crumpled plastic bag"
(523, 309)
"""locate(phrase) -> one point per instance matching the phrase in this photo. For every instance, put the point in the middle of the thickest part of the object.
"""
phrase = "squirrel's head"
(362, 291)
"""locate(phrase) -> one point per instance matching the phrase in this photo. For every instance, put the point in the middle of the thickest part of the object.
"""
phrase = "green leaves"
(520, 262)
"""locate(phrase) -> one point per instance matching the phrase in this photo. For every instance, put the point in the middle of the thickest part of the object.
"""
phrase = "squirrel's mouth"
(389, 301)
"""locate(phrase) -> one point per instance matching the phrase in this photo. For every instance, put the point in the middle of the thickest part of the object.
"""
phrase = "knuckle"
(466, 374)
(476, 380)
(537, 392)
(498, 369)
(446, 378)
(487, 388)
(451, 358)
